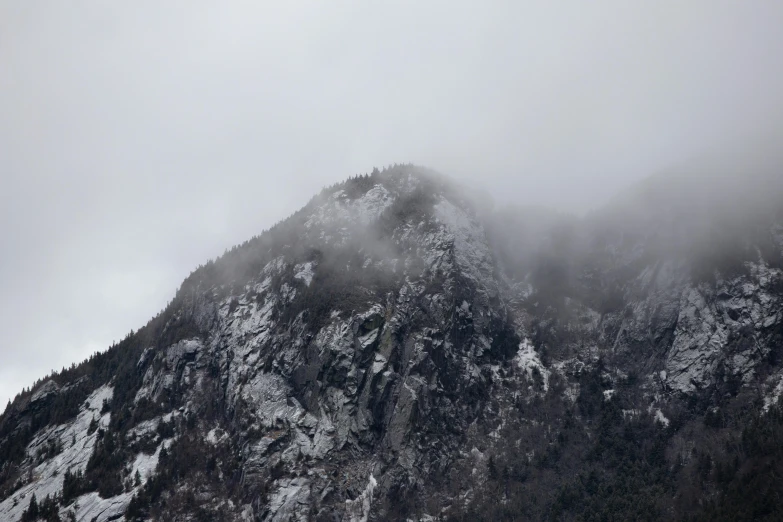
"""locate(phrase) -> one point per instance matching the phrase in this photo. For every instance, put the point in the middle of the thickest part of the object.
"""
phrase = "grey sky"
(138, 139)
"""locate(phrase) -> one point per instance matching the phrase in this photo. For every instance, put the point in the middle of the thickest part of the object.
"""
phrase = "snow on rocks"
(246, 332)
(336, 337)
(287, 293)
(339, 209)
(289, 502)
(305, 272)
(370, 206)
(176, 358)
(94, 508)
(91, 506)
(145, 465)
(470, 245)
(711, 321)
(358, 509)
(772, 399)
(368, 338)
(698, 341)
(661, 419)
(215, 436)
(270, 393)
(144, 428)
(77, 446)
(46, 389)
(528, 361)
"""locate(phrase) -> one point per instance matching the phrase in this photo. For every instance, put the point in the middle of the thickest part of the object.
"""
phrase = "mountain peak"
(393, 350)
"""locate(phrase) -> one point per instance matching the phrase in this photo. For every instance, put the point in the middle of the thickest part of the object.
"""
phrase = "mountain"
(400, 350)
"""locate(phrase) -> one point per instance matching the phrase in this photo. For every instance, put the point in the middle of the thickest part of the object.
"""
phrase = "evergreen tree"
(31, 513)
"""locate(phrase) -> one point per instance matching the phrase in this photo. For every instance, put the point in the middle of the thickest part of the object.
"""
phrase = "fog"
(140, 139)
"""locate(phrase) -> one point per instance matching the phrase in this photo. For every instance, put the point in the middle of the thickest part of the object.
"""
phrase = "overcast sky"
(138, 139)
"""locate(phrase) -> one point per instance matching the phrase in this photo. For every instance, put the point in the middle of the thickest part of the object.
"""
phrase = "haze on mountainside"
(398, 348)
(567, 303)
(137, 141)
(684, 204)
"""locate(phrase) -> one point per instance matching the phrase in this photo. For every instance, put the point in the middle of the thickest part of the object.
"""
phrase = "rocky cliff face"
(394, 351)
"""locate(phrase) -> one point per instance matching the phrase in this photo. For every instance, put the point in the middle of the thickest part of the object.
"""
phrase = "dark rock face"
(393, 351)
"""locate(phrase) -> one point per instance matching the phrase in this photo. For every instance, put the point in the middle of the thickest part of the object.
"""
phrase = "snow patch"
(145, 464)
(368, 338)
(305, 272)
(772, 399)
(216, 436)
(94, 508)
(661, 418)
(358, 509)
(527, 360)
(378, 364)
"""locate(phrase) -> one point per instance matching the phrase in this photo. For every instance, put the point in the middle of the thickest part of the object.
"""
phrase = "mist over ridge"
(567, 303)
